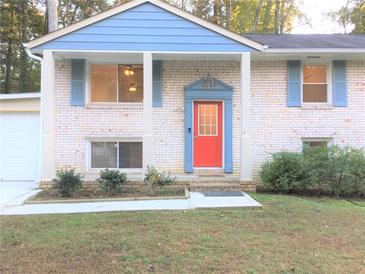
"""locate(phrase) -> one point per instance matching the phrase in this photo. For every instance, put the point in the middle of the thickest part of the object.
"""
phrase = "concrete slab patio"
(14, 205)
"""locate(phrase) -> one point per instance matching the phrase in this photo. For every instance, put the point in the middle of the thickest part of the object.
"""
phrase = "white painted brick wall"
(275, 127)
(168, 121)
(74, 125)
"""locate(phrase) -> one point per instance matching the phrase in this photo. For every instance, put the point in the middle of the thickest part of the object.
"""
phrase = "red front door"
(207, 134)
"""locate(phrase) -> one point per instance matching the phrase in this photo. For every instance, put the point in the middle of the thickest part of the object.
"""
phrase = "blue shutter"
(339, 84)
(77, 97)
(294, 84)
(157, 83)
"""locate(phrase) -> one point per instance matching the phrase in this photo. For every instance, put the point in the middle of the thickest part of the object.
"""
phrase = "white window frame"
(328, 65)
(328, 140)
(88, 82)
(112, 140)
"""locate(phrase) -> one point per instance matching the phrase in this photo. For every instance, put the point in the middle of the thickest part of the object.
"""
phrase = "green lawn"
(290, 235)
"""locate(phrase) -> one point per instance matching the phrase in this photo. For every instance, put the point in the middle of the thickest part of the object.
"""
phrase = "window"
(116, 83)
(116, 155)
(316, 142)
(208, 120)
(314, 84)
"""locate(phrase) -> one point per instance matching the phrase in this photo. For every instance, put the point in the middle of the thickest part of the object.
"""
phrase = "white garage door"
(19, 146)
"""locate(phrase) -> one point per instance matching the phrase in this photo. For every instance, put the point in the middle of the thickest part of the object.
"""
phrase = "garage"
(19, 137)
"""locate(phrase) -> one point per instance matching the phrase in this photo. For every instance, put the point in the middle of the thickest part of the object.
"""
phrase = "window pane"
(104, 155)
(103, 83)
(208, 115)
(314, 74)
(130, 83)
(314, 93)
(314, 144)
(130, 155)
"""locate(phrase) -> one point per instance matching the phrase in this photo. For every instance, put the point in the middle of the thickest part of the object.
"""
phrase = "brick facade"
(274, 126)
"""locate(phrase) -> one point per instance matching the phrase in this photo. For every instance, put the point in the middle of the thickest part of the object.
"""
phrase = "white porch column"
(47, 147)
(246, 145)
(147, 109)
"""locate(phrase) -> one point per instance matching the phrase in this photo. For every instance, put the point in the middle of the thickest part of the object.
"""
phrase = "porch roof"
(144, 25)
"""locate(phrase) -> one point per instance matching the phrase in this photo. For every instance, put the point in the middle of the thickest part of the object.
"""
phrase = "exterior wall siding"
(145, 28)
(276, 127)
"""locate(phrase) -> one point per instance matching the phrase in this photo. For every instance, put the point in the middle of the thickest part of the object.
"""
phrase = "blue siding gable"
(145, 28)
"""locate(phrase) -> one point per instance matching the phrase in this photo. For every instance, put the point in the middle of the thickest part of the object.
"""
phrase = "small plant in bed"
(111, 181)
(67, 182)
(157, 179)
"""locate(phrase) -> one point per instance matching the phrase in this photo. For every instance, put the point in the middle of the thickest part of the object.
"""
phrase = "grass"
(96, 193)
(290, 235)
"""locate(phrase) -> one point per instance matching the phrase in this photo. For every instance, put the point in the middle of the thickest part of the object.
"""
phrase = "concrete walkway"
(15, 206)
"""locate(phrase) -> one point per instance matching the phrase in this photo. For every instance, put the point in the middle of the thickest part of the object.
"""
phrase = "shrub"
(67, 182)
(340, 171)
(111, 180)
(157, 179)
(284, 173)
(314, 166)
(345, 171)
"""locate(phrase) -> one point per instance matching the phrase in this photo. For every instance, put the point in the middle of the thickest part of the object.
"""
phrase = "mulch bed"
(127, 192)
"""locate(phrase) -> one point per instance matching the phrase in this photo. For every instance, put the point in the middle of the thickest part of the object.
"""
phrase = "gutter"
(25, 95)
(314, 50)
(30, 54)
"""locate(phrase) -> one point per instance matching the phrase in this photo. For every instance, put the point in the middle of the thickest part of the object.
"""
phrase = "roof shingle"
(297, 41)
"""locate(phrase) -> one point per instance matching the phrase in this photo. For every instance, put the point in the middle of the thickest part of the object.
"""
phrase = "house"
(19, 136)
(147, 84)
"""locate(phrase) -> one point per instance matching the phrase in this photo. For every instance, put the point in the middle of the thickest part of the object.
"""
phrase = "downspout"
(30, 54)
(33, 56)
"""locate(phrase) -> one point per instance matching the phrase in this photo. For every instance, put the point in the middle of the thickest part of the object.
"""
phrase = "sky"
(316, 10)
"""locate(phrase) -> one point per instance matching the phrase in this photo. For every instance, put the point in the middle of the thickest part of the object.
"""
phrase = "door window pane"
(130, 155)
(103, 83)
(208, 119)
(130, 83)
(104, 155)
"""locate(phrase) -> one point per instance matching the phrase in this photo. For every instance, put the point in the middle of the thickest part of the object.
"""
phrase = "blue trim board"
(200, 91)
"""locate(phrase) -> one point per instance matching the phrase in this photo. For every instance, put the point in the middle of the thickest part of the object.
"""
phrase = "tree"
(352, 13)
(267, 16)
(21, 21)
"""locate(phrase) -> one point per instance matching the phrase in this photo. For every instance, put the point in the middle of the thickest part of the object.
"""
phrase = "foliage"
(344, 171)
(351, 13)
(67, 182)
(111, 180)
(338, 170)
(284, 173)
(157, 179)
(21, 21)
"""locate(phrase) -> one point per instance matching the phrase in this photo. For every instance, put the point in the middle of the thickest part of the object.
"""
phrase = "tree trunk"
(267, 15)
(282, 17)
(23, 81)
(257, 15)
(228, 14)
(9, 54)
(277, 19)
(52, 15)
